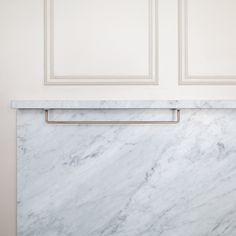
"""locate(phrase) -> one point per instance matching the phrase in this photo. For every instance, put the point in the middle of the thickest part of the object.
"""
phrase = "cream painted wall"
(21, 77)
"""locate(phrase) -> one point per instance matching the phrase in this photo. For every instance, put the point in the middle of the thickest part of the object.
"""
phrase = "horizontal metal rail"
(114, 122)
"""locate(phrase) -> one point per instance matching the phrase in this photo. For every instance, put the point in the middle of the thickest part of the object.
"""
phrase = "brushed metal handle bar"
(115, 122)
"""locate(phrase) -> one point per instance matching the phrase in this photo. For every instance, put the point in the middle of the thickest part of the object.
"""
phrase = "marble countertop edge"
(123, 104)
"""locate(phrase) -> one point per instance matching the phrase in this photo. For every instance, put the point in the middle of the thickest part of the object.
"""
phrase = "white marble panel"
(161, 180)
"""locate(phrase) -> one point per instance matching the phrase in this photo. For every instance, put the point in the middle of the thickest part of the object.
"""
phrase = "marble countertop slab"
(122, 104)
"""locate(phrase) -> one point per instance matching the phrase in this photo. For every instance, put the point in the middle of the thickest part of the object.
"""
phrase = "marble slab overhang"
(123, 104)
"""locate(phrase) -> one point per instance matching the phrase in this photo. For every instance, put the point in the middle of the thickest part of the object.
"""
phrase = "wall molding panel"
(53, 78)
(191, 45)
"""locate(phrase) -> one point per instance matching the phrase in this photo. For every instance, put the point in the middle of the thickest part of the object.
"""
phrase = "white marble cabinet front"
(168, 180)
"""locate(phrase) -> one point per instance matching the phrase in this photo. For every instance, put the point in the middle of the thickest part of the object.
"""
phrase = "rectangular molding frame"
(151, 79)
(184, 77)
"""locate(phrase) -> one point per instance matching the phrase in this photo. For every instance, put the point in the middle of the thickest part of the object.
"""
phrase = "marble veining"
(161, 180)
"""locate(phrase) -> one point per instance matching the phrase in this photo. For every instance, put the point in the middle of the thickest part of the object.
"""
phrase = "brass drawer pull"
(115, 122)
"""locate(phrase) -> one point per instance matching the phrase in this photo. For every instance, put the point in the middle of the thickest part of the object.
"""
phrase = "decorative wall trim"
(51, 79)
(184, 77)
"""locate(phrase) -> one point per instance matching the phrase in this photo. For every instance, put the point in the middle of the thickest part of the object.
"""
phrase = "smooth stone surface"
(172, 104)
(168, 180)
